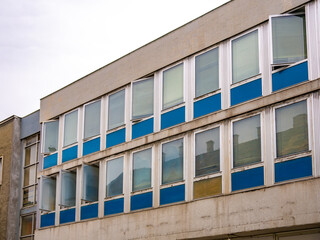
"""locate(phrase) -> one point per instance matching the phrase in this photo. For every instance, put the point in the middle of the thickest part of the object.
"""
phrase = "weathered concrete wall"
(207, 30)
(282, 206)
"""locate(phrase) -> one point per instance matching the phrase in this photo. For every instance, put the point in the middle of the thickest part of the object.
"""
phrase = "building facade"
(209, 132)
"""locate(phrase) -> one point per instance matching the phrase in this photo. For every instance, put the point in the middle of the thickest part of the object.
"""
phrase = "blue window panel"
(290, 76)
(116, 137)
(172, 194)
(89, 211)
(70, 153)
(113, 206)
(48, 220)
(142, 128)
(173, 117)
(50, 160)
(246, 92)
(292, 169)
(207, 105)
(91, 146)
(247, 179)
(141, 201)
(68, 215)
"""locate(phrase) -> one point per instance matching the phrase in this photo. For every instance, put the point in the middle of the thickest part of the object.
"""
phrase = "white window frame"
(84, 202)
(61, 206)
(83, 121)
(44, 211)
(63, 128)
(43, 139)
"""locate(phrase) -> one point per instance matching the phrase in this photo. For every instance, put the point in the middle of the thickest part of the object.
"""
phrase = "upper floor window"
(116, 108)
(114, 177)
(90, 184)
(141, 178)
(207, 72)
(68, 188)
(70, 128)
(142, 98)
(172, 86)
(48, 193)
(245, 57)
(51, 131)
(92, 119)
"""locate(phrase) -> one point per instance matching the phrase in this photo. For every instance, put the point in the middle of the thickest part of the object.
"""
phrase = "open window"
(50, 136)
(68, 188)
(48, 193)
(90, 185)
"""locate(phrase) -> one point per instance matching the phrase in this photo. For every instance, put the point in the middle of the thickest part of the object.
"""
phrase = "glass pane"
(30, 155)
(207, 72)
(48, 191)
(28, 196)
(115, 177)
(292, 129)
(289, 39)
(207, 152)
(90, 187)
(68, 188)
(173, 86)
(246, 141)
(172, 161)
(92, 119)
(116, 109)
(51, 136)
(32, 139)
(142, 170)
(142, 99)
(70, 128)
(29, 176)
(245, 57)
(26, 225)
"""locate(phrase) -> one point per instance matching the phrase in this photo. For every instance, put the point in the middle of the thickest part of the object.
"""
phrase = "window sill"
(207, 95)
(283, 66)
(244, 81)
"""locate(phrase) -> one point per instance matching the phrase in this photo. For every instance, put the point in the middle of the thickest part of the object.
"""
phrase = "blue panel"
(141, 201)
(70, 153)
(89, 211)
(47, 219)
(207, 105)
(246, 92)
(172, 194)
(116, 137)
(292, 169)
(50, 160)
(67, 216)
(142, 128)
(247, 179)
(91, 146)
(290, 76)
(172, 118)
(113, 206)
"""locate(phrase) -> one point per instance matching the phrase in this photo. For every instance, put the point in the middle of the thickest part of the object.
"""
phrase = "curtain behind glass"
(51, 136)
(141, 170)
(245, 57)
(142, 98)
(289, 39)
(48, 191)
(90, 186)
(116, 109)
(68, 188)
(92, 119)
(70, 128)
(246, 141)
(292, 129)
(207, 72)
(114, 177)
(172, 86)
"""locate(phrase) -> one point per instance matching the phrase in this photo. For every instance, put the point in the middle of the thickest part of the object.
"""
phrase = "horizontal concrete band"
(256, 104)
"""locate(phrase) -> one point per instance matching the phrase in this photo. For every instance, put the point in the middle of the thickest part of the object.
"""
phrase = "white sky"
(45, 45)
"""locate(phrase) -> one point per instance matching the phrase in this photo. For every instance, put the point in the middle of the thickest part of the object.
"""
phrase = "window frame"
(43, 139)
(61, 206)
(63, 129)
(83, 121)
(105, 197)
(123, 125)
(84, 202)
(45, 211)
(34, 215)
(1, 169)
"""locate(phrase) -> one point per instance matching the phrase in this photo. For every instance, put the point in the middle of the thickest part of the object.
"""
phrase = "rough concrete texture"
(281, 206)
(207, 30)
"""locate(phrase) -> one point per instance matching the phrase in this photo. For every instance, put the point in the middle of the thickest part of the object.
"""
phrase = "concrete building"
(209, 132)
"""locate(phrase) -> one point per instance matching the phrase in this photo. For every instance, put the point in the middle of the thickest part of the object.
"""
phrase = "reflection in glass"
(48, 193)
(141, 170)
(29, 176)
(51, 136)
(68, 188)
(246, 141)
(70, 128)
(115, 177)
(92, 119)
(26, 225)
(207, 152)
(30, 155)
(172, 161)
(28, 196)
(116, 109)
(90, 187)
(292, 129)
(142, 98)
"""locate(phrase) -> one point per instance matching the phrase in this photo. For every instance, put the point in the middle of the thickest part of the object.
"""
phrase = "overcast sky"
(45, 45)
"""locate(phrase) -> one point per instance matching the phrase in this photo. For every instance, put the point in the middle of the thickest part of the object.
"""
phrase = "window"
(92, 119)
(292, 129)
(1, 169)
(90, 186)
(70, 128)
(207, 72)
(207, 152)
(141, 170)
(246, 141)
(116, 109)
(48, 193)
(172, 86)
(142, 98)
(172, 161)
(245, 57)
(28, 225)
(51, 130)
(68, 188)
(289, 43)
(114, 177)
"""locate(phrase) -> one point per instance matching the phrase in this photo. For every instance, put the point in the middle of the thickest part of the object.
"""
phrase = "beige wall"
(216, 26)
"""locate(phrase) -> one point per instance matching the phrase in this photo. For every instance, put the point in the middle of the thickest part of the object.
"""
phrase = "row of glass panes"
(291, 126)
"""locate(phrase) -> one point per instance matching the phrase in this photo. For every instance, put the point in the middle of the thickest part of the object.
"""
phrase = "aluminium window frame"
(61, 206)
(84, 202)
(83, 121)
(78, 128)
(44, 211)
(43, 139)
